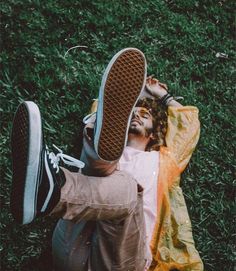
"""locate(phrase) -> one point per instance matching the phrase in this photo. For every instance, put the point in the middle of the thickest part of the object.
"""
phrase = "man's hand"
(155, 88)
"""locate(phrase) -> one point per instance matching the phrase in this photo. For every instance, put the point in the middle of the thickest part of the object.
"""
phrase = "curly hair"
(159, 113)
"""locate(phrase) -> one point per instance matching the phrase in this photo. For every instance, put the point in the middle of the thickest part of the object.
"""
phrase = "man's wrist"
(166, 99)
(160, 95)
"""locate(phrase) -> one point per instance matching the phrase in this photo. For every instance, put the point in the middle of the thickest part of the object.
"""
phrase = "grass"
(180, 40)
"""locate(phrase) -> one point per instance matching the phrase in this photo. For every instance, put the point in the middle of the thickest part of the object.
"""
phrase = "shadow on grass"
(43, 263)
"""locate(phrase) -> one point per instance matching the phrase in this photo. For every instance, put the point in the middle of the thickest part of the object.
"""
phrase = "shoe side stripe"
(51, 184)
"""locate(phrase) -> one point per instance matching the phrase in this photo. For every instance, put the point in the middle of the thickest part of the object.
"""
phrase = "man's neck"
(137, 142)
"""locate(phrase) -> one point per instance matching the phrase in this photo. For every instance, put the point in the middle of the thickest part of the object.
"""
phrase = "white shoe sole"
(26, 153)
(122, 84)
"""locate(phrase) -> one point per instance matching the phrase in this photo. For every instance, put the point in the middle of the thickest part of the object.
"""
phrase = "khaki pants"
(102, 226)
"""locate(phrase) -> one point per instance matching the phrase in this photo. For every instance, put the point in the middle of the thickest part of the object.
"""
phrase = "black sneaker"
(37, 178)
(52, 178)
(122, 84)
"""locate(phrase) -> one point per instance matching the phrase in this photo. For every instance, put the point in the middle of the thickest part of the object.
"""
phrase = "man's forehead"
(143, 110)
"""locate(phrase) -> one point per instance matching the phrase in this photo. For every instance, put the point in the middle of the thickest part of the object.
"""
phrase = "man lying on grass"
(125, 211)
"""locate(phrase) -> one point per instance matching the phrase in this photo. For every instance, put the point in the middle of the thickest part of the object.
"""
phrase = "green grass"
(180, 40)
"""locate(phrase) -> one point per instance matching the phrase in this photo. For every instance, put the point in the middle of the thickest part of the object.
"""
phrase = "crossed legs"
(114, 201)
(103, 223)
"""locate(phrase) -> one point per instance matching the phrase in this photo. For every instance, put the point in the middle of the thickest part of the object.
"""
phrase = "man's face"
(141, 122)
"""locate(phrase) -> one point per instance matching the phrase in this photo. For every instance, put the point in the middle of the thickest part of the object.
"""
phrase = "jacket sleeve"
(172, 243)
(182, 133)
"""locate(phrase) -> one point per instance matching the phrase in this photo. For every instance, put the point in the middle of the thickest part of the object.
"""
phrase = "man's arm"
(159, 90)
(183, 124)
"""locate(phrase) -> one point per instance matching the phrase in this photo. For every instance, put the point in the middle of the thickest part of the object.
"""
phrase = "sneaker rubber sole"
(26, 144)
(122, 83)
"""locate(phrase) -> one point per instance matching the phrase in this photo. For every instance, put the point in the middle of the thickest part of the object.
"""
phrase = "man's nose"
(136, 114)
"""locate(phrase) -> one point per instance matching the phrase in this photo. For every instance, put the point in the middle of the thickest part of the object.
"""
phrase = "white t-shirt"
(144, 167)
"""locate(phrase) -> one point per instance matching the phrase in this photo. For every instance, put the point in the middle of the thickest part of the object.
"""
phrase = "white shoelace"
(90, 118)
(68, 160)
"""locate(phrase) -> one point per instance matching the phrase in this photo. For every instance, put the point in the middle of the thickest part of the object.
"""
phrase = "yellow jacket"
(172, 241)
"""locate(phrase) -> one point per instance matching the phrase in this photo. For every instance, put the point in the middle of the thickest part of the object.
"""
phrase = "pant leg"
(94, 166)
(117, 239)
(96, 198)
(71, 245)
(120, 244)
(103, 245)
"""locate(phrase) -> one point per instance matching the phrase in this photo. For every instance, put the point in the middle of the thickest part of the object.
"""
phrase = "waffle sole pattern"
(122, 84)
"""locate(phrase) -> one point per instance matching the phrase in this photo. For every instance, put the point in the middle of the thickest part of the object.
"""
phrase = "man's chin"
(134, 130)
(139, 132)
